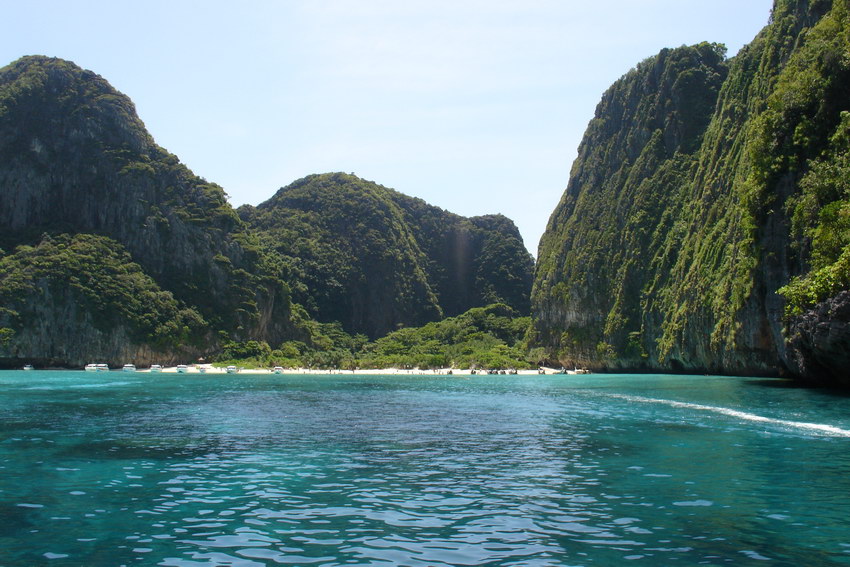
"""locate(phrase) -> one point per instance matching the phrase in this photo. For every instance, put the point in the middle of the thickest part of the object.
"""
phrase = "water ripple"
(292, 471)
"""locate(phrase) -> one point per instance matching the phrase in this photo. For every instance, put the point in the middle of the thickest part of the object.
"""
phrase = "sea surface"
(192, 470)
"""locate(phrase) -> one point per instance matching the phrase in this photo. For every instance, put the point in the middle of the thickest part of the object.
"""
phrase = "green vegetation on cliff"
(157, 266)
(374, 259)
(621, 206)
(821, 222)
(351, 254)
(75, 159)
(484, 337)
(104, 283)
(805, 133)
(670, 256)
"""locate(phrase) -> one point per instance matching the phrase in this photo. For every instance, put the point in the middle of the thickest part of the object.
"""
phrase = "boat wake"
(813, 427)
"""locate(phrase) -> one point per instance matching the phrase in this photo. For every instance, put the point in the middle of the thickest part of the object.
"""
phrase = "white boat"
(231, 370)
(102, 367)
(156, 368)
(28, 367)
(129, 368)
(202, 369)
(278, 370)
(91, 368)
(182, 368)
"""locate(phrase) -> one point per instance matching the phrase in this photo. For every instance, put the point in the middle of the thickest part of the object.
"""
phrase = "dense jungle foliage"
(622, 202)
(491, 337)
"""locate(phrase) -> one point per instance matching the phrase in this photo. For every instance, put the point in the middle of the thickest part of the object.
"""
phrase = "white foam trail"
(102, 384)
(819, 427)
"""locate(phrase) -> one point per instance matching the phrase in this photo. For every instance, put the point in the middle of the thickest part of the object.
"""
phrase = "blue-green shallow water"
(139, 469)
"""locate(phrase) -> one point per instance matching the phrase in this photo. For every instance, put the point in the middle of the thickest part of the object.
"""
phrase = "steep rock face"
(470, 262)
(375, 259)
(624, 194)
(75, 158)
(700, 241)
(819, 342)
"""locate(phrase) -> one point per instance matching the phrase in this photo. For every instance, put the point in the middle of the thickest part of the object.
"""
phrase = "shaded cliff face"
(470, 262)
(375, 259)
(673, 261)
(75, 159)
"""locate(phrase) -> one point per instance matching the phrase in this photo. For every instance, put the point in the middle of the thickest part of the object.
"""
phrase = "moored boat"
(231, 370)
(91, 368)
(182, 368)
(28, 367)
(102, 367)
(129, 368)
(202, 369)
(156, 368)
(278, 370)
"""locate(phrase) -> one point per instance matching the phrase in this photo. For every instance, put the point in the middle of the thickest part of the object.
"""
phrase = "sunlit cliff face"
(688, 207)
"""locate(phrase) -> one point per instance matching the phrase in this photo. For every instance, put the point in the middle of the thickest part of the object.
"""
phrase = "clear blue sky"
(475, 106)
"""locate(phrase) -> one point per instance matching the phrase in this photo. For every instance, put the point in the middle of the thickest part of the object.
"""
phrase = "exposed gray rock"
(819, 342)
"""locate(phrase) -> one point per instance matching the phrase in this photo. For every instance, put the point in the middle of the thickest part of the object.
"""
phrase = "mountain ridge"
(84, 186)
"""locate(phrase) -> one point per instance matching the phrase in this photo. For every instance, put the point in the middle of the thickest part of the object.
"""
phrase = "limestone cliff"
(76, 159)
(702, 187)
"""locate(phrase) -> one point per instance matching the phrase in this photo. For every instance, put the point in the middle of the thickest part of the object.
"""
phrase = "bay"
(250, 470)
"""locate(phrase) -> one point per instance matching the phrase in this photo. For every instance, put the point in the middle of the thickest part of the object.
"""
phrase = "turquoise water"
(139, 469)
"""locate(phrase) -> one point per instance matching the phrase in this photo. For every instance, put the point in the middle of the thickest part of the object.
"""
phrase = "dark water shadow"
(15, 520)
(789, 384)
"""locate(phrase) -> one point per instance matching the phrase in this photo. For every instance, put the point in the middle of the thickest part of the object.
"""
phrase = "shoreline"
(209, 369)
(204, 369)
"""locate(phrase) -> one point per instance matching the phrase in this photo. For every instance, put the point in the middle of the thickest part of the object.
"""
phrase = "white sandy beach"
(210, 369)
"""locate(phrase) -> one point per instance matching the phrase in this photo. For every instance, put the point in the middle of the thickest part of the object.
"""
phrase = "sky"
(475, 106)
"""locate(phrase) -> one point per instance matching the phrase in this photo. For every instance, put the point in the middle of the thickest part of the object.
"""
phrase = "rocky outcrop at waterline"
(819, 342)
